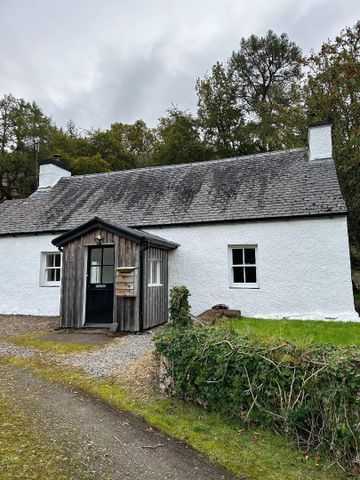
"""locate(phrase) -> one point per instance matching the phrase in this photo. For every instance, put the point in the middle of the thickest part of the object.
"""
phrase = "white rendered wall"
(303, 267)
(20, 290)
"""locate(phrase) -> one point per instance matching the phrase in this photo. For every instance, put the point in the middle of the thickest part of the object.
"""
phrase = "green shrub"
(311, 394)
(179, 310)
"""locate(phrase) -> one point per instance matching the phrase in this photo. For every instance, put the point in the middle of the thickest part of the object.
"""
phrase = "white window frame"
(43, 269)
(157, 282)
(248, 285)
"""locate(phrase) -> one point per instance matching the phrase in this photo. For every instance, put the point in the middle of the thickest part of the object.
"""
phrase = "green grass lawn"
(36, 340)
(300, 331)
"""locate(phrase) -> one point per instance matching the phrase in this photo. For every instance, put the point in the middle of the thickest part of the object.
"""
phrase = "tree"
(17, 175)
(333, 93)
(254, 102)
(179, 140)
(22, 124)
(90, 164)
(23, 127)
(137, 139)
(109, 145)
(220, 114)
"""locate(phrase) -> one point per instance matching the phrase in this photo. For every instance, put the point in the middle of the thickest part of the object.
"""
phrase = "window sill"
(57, 284)
(155, 285)
(249, 286)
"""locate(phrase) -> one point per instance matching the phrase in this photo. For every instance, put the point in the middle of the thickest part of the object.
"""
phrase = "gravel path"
(13, 350)
(114, 358)
(109, 360)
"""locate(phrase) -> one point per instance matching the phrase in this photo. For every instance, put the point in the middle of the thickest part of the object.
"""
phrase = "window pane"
(96, 256)
(250, 274)
(50, 260)
(155, 272)
(57, 259)
(237, 255)
(238, 274)
(57, 274)
(250, 256)
(152, 274)
(50, 275)
(95, 275)
(108, 275)
(108, 256)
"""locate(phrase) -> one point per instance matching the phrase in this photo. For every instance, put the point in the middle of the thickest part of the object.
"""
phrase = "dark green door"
(100, 285)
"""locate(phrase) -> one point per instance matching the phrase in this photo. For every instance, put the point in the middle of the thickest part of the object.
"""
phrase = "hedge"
(310, 394)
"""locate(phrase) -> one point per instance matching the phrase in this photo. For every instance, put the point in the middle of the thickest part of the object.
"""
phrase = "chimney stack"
(50, 171)
(320, 143)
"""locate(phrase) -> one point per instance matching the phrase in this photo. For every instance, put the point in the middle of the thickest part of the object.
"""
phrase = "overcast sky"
(100, 61)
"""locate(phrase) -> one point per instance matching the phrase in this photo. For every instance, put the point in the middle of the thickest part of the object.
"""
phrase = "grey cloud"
(100, 62)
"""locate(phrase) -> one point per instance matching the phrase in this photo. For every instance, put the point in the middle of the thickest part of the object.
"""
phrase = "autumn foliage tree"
(253, 102)
(333, 93)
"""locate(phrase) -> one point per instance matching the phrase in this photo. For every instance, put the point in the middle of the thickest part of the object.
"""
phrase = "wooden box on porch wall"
(127, 281)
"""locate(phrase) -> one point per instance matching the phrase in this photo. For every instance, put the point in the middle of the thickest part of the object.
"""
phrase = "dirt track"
(110, 444)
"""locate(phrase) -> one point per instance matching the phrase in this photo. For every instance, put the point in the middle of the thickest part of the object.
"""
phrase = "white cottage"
(266, 234)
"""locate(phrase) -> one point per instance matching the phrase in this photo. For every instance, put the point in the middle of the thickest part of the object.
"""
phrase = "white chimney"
(320, 143)
(50, 171)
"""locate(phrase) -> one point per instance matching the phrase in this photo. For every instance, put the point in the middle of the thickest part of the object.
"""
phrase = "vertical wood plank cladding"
(128, 308)
(155, 298)
(72, 302)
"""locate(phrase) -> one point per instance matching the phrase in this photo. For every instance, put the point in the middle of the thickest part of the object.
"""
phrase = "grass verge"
(303, 332)
(36, 341)
(257, 455)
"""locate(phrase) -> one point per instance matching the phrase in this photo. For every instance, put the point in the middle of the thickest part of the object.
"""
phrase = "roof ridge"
(188, 164)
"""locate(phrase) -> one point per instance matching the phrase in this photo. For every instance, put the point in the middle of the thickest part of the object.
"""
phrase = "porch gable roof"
(133, 234)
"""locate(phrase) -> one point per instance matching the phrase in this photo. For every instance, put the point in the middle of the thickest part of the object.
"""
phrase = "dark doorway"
(100, 285)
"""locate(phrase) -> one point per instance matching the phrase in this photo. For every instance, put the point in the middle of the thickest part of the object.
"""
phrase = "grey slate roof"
(263, 186)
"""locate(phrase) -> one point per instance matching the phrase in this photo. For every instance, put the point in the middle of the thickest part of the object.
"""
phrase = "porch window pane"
(57, 260)
(95, 274)
(108, 275)
(154, 272)
(108, 256)
(96, 256)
